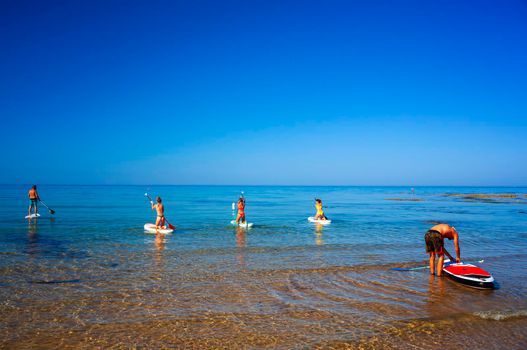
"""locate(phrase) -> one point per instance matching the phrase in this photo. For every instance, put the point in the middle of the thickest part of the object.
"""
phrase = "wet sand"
(365, 306)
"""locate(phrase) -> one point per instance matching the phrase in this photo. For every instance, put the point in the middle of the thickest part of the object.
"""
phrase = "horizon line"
(253, 185)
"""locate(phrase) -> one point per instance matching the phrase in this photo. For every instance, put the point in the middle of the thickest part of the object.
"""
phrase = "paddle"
(51, 211)
(425, 267)
(172, 227)
(448, 254)
(408, 268)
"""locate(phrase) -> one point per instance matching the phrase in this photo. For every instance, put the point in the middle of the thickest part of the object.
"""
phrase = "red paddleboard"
(469, 275)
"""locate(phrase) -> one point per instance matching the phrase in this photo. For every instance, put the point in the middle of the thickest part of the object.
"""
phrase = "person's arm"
(456, 245)
(153, 205)
(38, 197)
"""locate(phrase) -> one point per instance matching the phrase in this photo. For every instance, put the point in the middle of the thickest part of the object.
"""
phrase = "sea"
(90, 277)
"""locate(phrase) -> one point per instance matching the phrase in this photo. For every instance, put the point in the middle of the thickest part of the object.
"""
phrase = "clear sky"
(264, 92)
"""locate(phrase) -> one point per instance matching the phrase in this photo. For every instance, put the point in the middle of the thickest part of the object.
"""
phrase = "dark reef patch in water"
(491, 198)
(404, 199)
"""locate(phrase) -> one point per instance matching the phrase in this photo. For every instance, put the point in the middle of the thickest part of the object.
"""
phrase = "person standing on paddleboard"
(320, 213)
(160, 208)
(434, 239)
(241, 211)
(33, 200)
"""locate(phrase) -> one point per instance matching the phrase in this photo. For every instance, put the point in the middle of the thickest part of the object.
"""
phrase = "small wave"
(501, 315)
(56, 281)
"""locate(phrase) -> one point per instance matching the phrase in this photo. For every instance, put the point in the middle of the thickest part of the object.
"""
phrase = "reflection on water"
(240, 245)
(436, 300)
(318, 234)
(160, 247)
(159, 243)
(32, 239)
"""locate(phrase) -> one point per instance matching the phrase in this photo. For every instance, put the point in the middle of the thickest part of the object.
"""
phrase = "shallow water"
(91, 277)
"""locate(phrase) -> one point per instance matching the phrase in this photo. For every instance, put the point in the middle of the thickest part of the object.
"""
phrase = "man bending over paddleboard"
(434, 239)
(320, 213)
(241, 211)
(160, 208)
(33, 200)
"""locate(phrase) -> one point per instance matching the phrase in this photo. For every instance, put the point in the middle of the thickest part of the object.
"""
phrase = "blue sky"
(264, 92)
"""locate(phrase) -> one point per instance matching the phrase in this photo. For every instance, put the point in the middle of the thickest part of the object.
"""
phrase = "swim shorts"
(33, 202)
(434, 242)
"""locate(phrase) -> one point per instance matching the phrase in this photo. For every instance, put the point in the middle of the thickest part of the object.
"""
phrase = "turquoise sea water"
(90, 276)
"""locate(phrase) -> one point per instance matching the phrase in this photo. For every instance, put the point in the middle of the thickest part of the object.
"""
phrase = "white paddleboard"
(151, 228)
(323, 222)
(242, 224)
(32, 216)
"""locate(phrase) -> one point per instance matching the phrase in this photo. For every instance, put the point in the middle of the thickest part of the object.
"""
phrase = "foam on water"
(501, 315)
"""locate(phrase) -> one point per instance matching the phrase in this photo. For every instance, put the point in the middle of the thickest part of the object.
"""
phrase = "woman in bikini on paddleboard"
(160, 208)
(241, 211)
(320, 213)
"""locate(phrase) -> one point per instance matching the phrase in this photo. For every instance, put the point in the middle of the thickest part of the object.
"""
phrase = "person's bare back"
(160, 208)
(446, 231)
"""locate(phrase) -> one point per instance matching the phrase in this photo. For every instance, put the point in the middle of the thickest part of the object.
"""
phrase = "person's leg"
(163, 223)
(36, 208)
(432, 262)
(440, 260)
(158, 221)
(238, 218)
(29, 209)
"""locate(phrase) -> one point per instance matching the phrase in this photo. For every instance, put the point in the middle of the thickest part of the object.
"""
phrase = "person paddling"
(160, 208)
(320, 213)
(241, 211)
(434, 239)
(33, 200)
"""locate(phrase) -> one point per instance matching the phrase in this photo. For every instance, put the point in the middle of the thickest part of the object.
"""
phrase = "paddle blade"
(408, 268)
(51, 211)
(172, 227)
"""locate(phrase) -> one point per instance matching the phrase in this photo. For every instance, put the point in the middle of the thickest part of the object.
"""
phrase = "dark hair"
(317, 200)
(34, 187)
(158, 199)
